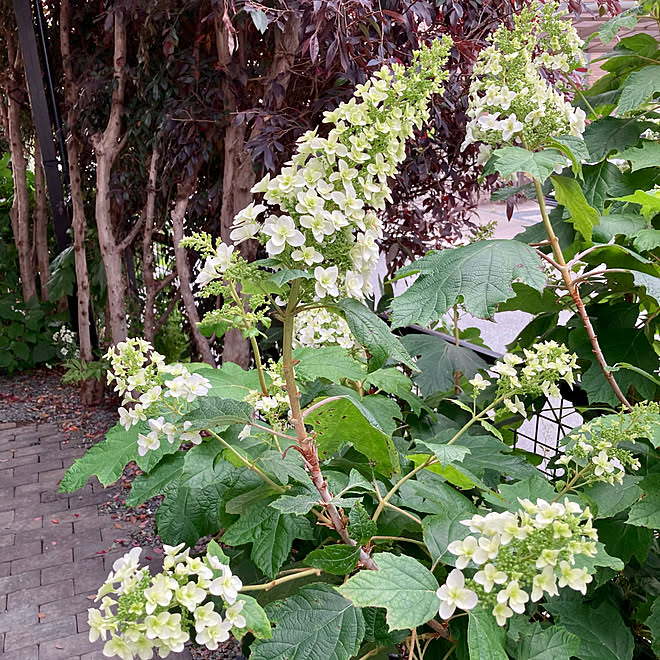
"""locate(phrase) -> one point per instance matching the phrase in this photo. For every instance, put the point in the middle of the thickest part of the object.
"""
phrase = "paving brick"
(22, 524)
(81, 621)
(23, 550)
(5, 569)
(9, 503)
(41, 466)
(40, 595)
(95, 655)
(32, 450)
(73, 605)
(9, 479)
(6, 518)
(67, 648)
(15, 461)
(86, 583)
(96, 548)
(51, 478)
(49, 531)
(7, 539)
(51, 556)
(38, 508)
(17, 639)
(92, 520)
(18, 618)
(20, 581)
(86, 567)
(27, 653)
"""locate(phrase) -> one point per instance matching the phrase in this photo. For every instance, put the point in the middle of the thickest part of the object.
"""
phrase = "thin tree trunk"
(20, 210)
(150, 285)
(40, 241)
(79, 221)
(239, 175)
(107, 146)
(184, 190)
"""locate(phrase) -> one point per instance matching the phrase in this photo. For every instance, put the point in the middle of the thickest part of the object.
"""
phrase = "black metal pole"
(42, 120)
(54, 169)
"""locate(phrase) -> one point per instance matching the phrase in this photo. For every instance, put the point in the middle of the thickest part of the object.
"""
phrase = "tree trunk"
(20, 210)
(40, 241)
(79, 221)
(184, 190)
(239, 175)
(107, 146)
(150, 285)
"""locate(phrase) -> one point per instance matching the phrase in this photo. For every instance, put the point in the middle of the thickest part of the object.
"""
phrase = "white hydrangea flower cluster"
(321, 327)
(274, 406)
(592, 453)
(518, 557)
(511, 101)
(144, 613)
(66, 343)
(543, 367)
(165, 393)
(324, 191)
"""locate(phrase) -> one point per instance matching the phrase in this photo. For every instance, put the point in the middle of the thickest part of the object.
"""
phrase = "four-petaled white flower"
(326, 281)
(282, 231)
(453, 593)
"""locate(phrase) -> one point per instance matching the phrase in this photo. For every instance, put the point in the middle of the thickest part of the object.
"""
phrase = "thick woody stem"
(572, 288)
(305, 443)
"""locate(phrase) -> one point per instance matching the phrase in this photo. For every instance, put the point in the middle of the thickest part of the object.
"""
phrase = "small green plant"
(79, 371)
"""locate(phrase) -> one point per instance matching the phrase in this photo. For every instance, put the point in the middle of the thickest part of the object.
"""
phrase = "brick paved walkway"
(55, 550)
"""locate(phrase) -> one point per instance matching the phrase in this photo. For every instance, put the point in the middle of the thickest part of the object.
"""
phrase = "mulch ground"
(39, 396)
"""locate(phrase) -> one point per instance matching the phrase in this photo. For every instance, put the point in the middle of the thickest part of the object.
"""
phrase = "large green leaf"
(569, 194)
(158, 480)
(649, 201)
(108, 458)
(429, 493)
(617, 224)
(609, 134)
(360, 525)
(271, 534)
(440, 531)
(479, 274)
(646, 512)
(190, 508)
(401, 585)
(600, 182)
(638, 88)
(334, 559)
(331, 362)
(372, 332)
(610, 500)
(646, 155)
(553, 643)
(511, 160)
(214, 413)
(489, 453)
(485, 637)
(603, 634)
(346, 421)
(646, 238)
(229, 381)
(315, 623)
(438, 360)
(625, 541)
(652, 622)
(256, 620)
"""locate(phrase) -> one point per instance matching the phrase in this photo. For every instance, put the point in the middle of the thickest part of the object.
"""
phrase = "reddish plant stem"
(572, 288)
(306, 445)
